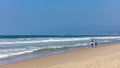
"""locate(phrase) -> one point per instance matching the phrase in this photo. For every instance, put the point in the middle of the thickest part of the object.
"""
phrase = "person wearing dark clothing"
(92, 43)
(95, 44)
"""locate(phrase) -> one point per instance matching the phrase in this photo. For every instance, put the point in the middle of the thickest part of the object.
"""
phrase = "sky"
(58, 17)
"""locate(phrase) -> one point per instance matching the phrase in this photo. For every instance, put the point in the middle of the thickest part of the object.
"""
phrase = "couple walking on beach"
(93, 43)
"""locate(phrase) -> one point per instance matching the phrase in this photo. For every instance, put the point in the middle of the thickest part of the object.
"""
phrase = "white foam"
(112, 37)
(18, 51)
(45, 40)
(84, 44)
(3, 55)
(39, 40)
(12, 52)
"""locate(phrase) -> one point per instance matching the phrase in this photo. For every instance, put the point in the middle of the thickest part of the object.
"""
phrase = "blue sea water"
(14, 48)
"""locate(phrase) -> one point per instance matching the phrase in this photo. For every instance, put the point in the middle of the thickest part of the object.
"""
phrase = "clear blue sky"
(59, 17)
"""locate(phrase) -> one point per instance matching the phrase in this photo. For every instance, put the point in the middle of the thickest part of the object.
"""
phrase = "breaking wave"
(18, 51)
(38, 40)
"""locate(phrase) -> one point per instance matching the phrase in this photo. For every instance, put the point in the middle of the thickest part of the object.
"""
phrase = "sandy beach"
(99, 57)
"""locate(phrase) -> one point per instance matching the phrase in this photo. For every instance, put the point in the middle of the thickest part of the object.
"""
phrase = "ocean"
(15, 48)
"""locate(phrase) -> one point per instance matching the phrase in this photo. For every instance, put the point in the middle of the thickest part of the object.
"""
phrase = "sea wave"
(45, 40)
(39, 40)
(18, 51)
(112, 37)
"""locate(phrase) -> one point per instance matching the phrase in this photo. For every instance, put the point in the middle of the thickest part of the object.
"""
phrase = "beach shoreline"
(97, 57)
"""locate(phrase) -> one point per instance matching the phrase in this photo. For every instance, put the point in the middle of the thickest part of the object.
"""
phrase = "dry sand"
(99, 57)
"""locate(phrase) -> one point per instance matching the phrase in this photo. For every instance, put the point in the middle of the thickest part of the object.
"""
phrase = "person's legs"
(95, 44)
